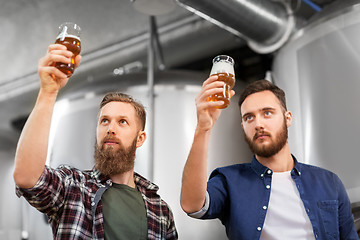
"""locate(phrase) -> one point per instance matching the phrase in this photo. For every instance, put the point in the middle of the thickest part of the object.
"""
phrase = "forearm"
(32, 147)
(194, 181)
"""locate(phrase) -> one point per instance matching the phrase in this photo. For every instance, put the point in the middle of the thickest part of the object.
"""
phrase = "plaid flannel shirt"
(71, 200)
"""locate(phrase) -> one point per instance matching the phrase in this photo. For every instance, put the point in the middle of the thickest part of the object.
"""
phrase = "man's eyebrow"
(262, 110)
(268, 108)
(103, 116)
(115, 116)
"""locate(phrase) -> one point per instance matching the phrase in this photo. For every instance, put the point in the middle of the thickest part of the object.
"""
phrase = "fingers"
(77, 60)
(45, 71)
(210, 80)
(56, 46)
(56, 53)
(59, 53)
(211, 86)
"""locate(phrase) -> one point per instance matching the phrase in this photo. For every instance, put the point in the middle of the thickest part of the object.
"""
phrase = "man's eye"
(267, 113)
(123, 121)
(104, 120)
(248, 118)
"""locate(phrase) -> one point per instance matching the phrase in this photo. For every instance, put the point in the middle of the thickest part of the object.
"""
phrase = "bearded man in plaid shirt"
(110, 201)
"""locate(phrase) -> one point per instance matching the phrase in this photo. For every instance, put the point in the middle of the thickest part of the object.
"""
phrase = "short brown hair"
(122, 97)
(263, 85)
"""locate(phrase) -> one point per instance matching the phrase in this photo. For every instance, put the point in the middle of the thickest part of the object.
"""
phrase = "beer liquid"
(229, 80)
(72, 44)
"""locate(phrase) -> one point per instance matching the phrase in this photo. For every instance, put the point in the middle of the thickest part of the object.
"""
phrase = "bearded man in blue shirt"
(274, 196)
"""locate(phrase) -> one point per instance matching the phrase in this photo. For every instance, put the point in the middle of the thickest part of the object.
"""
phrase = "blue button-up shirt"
(239, 196)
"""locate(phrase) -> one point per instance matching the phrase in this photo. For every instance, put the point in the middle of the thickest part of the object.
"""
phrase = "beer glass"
(69, 36)
(223, 67)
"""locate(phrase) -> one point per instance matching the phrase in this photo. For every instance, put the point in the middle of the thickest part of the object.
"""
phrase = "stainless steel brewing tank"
(10, 204)
(319, 70)
(73, 135)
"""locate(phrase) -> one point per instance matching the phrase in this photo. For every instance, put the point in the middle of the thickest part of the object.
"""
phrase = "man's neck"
(280, 162)
(126, 178)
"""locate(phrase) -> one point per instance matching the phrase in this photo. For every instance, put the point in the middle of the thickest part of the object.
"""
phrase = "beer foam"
(222, 67)
(67, 36)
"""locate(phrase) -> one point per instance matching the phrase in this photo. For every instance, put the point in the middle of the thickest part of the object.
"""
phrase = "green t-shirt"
(124, 213)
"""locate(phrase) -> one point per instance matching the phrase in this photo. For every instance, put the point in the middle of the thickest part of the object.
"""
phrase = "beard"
(110, 162)
(271, 149)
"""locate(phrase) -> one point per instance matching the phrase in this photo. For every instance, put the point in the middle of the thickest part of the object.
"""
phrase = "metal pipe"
(24, 221)
(205, 39)
(156, 44)
(312, 5)
(150, 84)
(266, 25)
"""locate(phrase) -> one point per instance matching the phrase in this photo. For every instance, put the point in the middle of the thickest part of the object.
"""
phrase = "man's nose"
(259, 123)
(111, 130)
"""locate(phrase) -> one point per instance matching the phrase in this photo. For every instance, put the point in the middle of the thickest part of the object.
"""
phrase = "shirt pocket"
(329, 214)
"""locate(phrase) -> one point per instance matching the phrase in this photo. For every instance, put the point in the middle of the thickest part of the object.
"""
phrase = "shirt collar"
(101, 178)
(297, 168)
(262, 170)
(139, 180)
(143, 182)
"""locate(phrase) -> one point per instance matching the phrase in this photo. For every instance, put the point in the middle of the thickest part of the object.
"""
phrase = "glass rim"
(225, 58)
(72, 24)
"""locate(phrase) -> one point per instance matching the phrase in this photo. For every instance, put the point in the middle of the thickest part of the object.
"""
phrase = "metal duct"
(205, 39)
(266, 25)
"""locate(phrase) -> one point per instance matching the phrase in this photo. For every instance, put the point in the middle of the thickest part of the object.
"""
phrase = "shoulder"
(232, 170)
(166, 208)
(318, 172)
(149, 191)
(312, 169)
(144, 184)
(69, 172)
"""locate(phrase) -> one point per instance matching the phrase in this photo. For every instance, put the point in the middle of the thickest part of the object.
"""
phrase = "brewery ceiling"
(114, 35)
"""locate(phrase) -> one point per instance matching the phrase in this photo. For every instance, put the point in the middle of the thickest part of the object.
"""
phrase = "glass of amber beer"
(223, 67)
(69, 35)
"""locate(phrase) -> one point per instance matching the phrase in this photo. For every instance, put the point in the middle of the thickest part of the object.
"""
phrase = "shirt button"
(264, 207)
(259, 228)
(269, 171)
(262, 175)
(93, 204)
(308, 210)
(267, 186)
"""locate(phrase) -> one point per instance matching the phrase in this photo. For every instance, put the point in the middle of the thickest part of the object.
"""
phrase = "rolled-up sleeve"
(203, 210)
(47, 195)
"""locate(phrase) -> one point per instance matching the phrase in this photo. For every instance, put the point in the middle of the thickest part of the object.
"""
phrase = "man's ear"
(140, 138)
(288, 117)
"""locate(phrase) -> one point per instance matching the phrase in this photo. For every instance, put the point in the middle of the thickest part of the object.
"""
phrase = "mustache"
(110, 139)
(261, 133)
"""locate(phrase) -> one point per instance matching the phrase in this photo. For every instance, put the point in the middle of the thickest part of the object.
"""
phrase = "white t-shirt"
(286, 217)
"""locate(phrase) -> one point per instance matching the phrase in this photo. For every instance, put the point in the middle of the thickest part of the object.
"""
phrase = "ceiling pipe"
(184, 40)
(265, 25)
(151, 93)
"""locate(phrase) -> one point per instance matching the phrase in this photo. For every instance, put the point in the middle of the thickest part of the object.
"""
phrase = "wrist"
(48, 96)
(202, 131)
